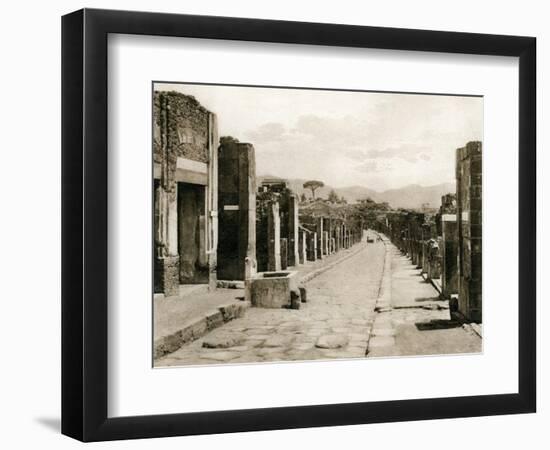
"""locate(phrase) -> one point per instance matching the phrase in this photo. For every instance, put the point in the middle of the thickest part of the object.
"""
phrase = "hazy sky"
(377, 140)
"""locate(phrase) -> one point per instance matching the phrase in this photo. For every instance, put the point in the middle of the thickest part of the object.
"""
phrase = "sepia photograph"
(299, 224)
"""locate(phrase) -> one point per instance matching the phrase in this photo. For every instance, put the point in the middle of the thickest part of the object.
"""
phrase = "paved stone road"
(334, 323)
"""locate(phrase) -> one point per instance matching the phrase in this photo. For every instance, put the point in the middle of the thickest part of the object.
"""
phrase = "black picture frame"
(84, 224)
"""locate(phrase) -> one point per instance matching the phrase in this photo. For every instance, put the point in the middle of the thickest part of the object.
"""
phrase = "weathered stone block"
(273, 289)
(332, 341)
(224, 340)
(295, 299)
(167, 275)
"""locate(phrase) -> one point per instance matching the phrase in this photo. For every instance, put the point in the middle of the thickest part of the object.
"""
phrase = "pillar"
(303, 247)
(468, 182)
(273, 238)
(449, 250)
(293, 237)
(312, 247)
(236, 210)
(284, 253)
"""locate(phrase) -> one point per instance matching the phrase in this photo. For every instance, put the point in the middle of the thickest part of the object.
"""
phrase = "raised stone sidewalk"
(413, 320)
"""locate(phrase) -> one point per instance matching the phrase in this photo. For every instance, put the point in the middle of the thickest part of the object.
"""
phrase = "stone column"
(273, 238)
(293, 238)
(212, 202)
(312, 247)
(327, 227)
(284, 253)
(343, 236)
(303, 247)
(320, 235)
(166, 257)
(325, 243)
(449, 267)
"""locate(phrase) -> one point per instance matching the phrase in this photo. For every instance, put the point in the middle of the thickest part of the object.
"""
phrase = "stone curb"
(198, 327)
(432, 282)
(383, 301)
(315, 273)
(474, 328)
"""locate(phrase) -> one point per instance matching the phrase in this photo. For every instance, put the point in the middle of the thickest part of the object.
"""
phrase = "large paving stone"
(383, 332)
(381, 341)
(258, 337)
(332, 341)
(341, 330)
(224, 340)
(278, 341)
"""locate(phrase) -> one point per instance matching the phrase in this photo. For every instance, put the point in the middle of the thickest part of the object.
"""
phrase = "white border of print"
(137, 389)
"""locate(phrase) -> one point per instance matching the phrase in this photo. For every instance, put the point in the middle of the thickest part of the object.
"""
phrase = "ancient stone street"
(374, 303)
(334, 323)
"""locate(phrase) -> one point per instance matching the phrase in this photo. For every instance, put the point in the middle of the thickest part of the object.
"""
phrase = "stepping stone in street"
(332, 341)
(225, 340)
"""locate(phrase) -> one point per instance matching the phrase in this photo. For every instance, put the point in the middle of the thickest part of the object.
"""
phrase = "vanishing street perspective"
(306, 224)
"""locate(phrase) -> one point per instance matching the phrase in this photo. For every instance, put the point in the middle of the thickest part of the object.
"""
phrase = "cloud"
(268, 132)
(374, 166)
(407, 152)
(383, 141)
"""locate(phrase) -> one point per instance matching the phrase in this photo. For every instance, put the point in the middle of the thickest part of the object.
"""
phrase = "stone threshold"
(197, 327)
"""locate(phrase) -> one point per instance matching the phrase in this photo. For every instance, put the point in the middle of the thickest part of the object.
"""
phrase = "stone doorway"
(193, 266)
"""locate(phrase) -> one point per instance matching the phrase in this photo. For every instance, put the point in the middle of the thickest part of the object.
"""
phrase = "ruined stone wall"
(182, 128)
(184, 123)
(469, 220)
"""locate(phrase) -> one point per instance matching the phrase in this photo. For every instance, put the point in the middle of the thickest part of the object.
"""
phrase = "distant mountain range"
(411, 196)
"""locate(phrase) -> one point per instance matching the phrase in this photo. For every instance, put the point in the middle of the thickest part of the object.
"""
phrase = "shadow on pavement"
(437, 324)
(428, 299)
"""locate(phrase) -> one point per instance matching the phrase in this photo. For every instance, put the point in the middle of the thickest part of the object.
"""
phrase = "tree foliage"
(313, 185)
(333, 196)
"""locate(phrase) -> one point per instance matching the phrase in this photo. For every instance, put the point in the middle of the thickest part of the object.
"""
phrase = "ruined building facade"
(185, 160)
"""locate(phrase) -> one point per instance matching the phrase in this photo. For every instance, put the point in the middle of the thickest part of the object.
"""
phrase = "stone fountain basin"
(272, 289)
